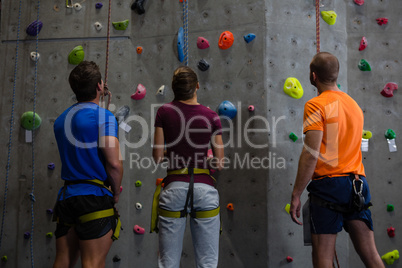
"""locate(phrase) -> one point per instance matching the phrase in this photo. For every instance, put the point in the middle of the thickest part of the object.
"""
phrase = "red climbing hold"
(359, 2)
(202, 43)
(289, 259)
(226, 40)
(363, 43)
(139, 93)
(382, 21)
(139, 50)
(391, 231)
(388, 90)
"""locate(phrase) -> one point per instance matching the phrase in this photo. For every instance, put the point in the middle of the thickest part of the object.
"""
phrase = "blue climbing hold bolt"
(293, 137)
(226, 108)
(138, 184)
(249, 37)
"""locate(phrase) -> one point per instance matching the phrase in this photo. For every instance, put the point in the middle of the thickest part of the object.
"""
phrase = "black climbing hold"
(203, 65)
(138, 6)
(116, 258)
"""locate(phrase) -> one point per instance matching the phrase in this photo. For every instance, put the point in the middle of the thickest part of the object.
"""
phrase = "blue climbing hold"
(226, 108)
(34, 28)
(249, 37)
(180, 44)
(98, 5)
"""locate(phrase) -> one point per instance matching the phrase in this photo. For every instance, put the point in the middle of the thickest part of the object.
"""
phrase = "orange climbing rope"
(317, 23)
(107, 55)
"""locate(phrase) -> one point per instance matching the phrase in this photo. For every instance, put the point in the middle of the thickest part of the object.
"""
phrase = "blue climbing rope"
(33, 140)
(185, 28)
(11, 124)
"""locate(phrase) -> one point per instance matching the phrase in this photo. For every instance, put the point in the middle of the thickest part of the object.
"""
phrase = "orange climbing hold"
(139, 50)
(226, 40)
(230, 207)
(158, 181)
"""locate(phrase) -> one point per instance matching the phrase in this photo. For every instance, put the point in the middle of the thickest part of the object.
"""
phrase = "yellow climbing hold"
(390, 257)
(329, 17)
(287, 208)
(367, 134)
(293, 88)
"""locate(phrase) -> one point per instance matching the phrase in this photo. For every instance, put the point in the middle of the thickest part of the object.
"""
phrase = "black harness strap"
(190, 196)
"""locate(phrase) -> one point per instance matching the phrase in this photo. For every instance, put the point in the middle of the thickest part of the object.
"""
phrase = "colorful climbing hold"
(27, 119)
(158, 181)
(51, 166)
(202, 43)
(329, 17)
(289, 259)
(226, 40)
(116, 258)
(98, 5)
(363, 43)
(203, 65)
(34, 28)
(230, 207)
(35, 56)
(390, 134)
(139, 50)
(49, 211)
(140, 92)
(391, 231)
(390, 207)
(180, 44)
(138, 229)
(49, 235)
(251, 108)
(161, 90)
(359, 2)
(388, 90)
(76, 56)
(293, 88)
(390, 257)
(293, 137)
(364, 65)
(4, 258)
(98, 26)
(249, 37)
(138, 183)
(367, 134)
(121, 188)
(138, 6)
(77, 6)
(287, 208)
(27, 235)
(138, 206)
(226, 108)
(120, 25)
(381, 21)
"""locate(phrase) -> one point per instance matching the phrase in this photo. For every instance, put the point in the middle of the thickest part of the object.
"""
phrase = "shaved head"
(326, 67)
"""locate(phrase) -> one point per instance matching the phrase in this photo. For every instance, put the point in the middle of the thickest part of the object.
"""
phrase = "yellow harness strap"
(157, 211)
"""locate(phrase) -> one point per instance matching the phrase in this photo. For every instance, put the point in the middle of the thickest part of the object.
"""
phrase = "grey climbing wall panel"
(258, 233)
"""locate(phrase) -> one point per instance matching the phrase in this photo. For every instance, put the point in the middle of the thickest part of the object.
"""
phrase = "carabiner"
(361, 186)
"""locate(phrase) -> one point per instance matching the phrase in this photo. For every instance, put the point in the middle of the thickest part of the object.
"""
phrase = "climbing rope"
(33, 140)
(107, 53)
(317, 23)
(11, 124)
(185, 28)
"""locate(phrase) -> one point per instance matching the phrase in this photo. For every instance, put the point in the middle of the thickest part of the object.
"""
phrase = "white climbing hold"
(77, 6)
(161, 90)
(98, 26)
(35, 56)
(138, 206)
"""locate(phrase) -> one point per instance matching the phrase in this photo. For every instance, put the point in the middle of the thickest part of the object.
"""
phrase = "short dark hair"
(84, 80)
(184, 83)
(326, 67)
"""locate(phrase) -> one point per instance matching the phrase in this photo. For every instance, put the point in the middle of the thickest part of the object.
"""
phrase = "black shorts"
(69, 210)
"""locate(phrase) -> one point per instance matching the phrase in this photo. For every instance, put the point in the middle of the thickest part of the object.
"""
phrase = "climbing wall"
(257, 232)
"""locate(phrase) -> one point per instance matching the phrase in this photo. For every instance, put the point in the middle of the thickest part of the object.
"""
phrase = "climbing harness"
(157, 211)
(11, 125)
(185, 28)
(93, 215)
(317, 23)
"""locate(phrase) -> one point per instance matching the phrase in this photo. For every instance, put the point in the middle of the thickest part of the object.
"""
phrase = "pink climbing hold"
(210, 154)
(251, 108)
(363, 43)
(382, 21)
(388, 90)
(138, 229)
(359, 2)
(139, 93)
(202, 43)
(391, 231)
(289, 259)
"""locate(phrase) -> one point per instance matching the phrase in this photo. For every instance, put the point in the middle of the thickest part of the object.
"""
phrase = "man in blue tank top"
(89, 150)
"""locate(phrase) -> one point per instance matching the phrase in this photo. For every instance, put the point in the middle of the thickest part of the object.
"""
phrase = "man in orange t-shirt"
(332, 160)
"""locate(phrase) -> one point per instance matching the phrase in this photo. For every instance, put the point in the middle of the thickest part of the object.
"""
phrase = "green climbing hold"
(76, 55)
(27, 120)
(49, 235)
(4, 258)
(390, 207)
(138, 184)
(339, 86)
(329, 17)
(390, 134)
(293, 137)
(367, 134)
(364, 65)
(120, 25)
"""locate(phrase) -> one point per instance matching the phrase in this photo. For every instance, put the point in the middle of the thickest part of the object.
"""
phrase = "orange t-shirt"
(341, 119)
